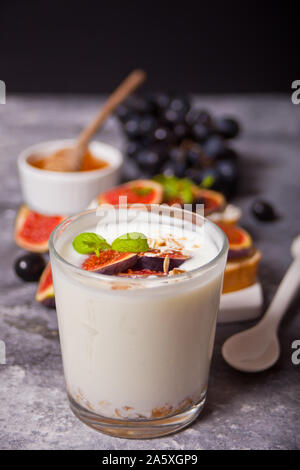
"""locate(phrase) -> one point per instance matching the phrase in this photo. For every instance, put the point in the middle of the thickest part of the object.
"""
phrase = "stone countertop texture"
(258, 411)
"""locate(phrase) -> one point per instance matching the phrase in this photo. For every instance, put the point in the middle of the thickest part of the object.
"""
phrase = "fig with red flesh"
(135, 192)
(240, 242)
(45, 290)
(154, 260)
(32, 230)
(110, 262)
(213, 201)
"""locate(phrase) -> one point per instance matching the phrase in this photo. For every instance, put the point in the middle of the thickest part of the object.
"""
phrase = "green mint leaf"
(142, 191)
(186, 196)
(185, 190)
(207, 182)
(169, 184)
(133, 242)
(176, 188)
(89, 242)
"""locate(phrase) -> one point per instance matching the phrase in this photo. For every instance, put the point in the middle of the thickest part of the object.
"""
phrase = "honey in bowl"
(89, 162)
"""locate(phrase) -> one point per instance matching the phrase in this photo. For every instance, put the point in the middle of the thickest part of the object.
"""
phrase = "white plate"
(242, 305)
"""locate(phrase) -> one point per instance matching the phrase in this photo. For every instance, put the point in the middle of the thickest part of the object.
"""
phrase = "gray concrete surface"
(259, 411)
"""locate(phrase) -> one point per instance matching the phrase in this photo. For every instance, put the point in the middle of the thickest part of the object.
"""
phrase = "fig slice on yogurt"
(154, 261)
(110, 262)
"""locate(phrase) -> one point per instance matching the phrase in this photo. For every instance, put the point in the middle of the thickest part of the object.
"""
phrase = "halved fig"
(213, 201)
(154, 260)
(32, 230)
(136, 192)
(45, 290)
(110, 262)
(240, 242)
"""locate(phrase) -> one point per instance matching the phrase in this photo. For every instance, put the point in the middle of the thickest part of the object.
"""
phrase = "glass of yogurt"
(137, 339)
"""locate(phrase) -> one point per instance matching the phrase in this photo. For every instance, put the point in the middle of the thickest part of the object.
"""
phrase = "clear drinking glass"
(137, 352)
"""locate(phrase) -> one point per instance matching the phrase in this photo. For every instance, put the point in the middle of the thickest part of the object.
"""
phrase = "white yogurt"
(138, 348)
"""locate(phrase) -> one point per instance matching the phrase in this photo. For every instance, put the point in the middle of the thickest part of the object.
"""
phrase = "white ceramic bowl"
(62, 193)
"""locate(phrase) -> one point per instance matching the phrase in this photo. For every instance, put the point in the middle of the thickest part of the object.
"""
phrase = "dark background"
(224, 46)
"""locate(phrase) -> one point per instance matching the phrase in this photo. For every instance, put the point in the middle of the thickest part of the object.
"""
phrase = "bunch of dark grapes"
(167, 135)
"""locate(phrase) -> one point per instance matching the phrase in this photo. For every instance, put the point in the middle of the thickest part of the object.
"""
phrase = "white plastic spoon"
(258, 348)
